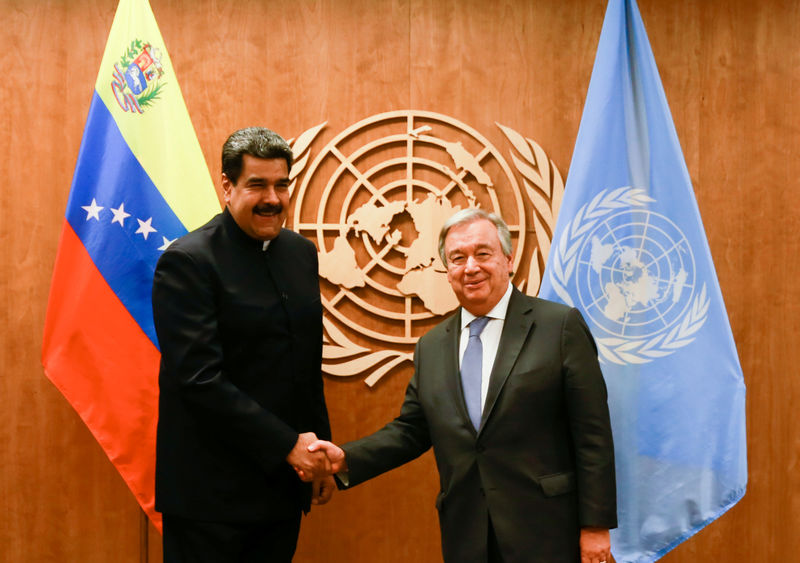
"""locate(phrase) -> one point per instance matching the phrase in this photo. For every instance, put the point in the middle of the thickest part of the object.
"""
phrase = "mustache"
(269, 208)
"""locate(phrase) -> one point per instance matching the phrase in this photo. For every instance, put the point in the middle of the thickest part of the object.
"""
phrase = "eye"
(458, 260)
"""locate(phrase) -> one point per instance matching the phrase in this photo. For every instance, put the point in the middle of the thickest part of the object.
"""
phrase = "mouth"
(472, 284)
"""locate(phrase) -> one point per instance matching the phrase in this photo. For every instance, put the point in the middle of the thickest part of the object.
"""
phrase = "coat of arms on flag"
(137, 78)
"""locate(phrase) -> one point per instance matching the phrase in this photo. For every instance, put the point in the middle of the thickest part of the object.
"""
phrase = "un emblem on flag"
(633, 273)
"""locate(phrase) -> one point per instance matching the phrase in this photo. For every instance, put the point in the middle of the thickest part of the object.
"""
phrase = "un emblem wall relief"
(374, 198)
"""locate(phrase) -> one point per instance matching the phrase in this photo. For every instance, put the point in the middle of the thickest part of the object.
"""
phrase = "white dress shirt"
(490, 338)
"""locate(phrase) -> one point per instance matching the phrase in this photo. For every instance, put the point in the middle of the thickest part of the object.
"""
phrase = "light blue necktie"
(472, 369)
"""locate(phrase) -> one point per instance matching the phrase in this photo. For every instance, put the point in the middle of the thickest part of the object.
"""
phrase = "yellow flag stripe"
(159, 131)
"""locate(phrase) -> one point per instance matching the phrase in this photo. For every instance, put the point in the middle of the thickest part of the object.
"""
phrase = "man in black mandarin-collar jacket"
(239, 323)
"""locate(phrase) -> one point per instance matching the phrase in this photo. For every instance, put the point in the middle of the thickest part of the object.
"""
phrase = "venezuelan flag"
(140, 183)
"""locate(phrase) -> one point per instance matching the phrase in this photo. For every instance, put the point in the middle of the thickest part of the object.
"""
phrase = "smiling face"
(477, 269)
(259, 200)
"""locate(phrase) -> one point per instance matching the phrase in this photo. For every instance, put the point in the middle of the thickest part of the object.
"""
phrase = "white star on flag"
(92, 210)
(145, 228)
(120, 215)
(167, 242)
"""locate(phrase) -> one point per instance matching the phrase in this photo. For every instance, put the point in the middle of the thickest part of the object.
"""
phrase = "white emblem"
(633, 272)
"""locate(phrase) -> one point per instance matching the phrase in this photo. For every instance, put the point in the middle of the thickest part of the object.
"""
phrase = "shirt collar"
(498, 312)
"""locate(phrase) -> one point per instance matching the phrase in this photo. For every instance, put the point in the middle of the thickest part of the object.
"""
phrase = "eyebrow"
(480, 246)
(261, 180)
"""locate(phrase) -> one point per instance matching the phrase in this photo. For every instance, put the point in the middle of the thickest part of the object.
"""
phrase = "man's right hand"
(333, 453)
(309, 464)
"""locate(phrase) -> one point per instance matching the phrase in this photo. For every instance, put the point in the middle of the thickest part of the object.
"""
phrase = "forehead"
(481, 233)
(254, 168)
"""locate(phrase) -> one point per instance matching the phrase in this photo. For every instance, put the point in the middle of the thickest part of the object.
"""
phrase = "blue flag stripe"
(126, 237)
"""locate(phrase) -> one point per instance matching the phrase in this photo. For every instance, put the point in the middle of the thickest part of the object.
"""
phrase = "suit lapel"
(518, 325)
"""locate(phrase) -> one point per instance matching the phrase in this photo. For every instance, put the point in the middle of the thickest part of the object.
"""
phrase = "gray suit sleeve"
(590, 426)
(402, 440)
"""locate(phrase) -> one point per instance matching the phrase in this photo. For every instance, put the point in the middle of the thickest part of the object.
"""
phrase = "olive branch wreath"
(545, 190)
(614, 349)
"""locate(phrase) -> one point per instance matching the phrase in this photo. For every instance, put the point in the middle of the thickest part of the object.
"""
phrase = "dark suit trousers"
(194, 541)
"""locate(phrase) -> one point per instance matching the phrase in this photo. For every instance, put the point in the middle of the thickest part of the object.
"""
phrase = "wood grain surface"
(731, 71)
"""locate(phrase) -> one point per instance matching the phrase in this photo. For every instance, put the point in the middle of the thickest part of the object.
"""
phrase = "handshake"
(316, 461)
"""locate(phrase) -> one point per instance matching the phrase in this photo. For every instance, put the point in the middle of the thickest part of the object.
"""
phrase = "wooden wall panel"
(730, 70)
(748, 189)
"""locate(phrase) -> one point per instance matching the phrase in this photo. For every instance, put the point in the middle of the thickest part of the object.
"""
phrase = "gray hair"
(259, 142)
(470, 215)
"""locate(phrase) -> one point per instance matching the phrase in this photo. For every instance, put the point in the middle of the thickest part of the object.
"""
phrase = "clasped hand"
(316, 461)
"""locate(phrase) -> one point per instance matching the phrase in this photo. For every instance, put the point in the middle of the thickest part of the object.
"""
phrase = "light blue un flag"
(630, 252)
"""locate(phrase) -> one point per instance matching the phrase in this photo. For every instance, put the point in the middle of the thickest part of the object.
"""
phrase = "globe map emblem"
(374, 199)
(635, 274)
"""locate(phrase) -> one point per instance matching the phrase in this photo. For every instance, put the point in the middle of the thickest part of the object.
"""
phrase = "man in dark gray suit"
(509, 393)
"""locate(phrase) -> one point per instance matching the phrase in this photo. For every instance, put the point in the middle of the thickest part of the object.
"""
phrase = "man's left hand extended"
(595, 545)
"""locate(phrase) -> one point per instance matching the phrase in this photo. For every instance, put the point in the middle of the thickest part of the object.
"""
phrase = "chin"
(477, 298)
(267, 232)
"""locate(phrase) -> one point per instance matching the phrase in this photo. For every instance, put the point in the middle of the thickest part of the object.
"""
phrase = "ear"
(227, 186)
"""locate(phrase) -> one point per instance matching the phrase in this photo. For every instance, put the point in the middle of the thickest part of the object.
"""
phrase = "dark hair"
(469, 215)
(259, 142)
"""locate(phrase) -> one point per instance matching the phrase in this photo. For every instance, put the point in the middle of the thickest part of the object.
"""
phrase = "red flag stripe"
(94, 352)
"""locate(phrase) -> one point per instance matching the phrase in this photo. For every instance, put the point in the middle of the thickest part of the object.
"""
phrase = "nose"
(471, 265)
(269, 195)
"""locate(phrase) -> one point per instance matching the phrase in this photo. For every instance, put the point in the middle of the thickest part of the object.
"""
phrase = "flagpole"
(144, 537)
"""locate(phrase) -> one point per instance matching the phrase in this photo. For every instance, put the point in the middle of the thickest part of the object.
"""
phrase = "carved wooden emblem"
(374, 198)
